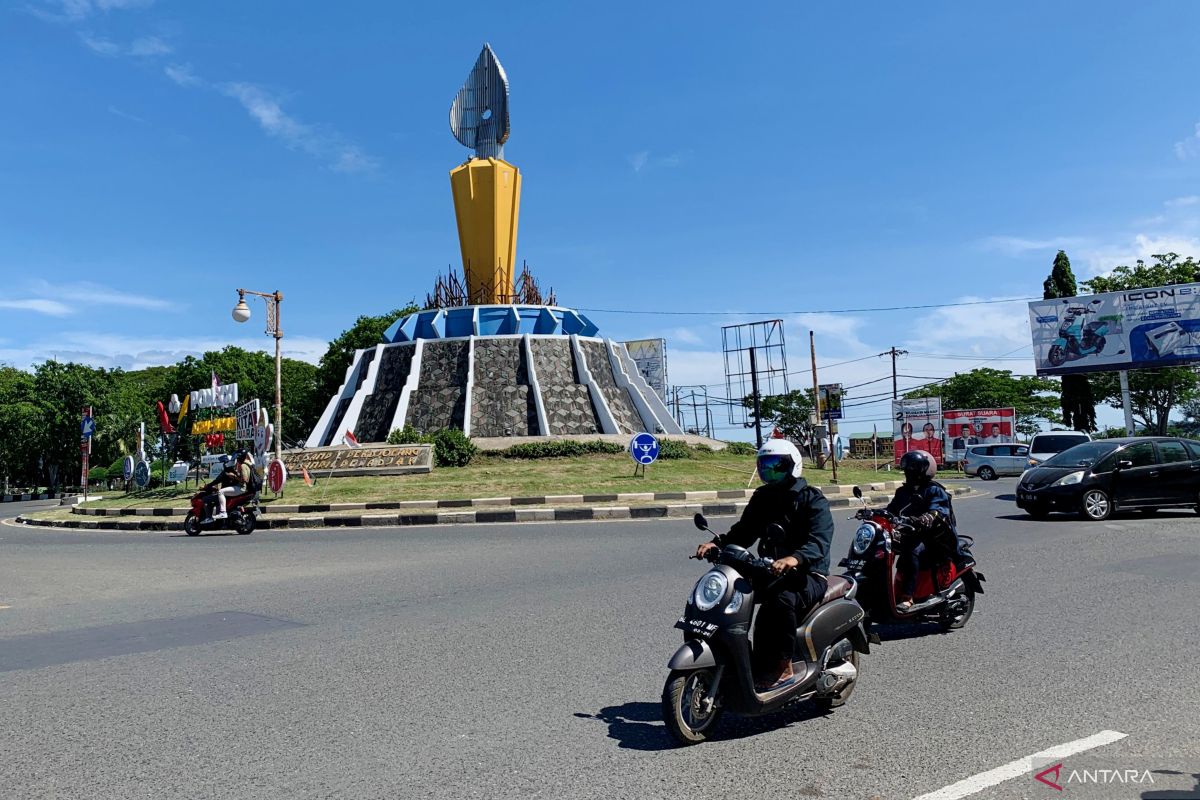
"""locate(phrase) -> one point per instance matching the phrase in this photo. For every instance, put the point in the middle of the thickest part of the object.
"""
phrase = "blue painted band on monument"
(644, 448)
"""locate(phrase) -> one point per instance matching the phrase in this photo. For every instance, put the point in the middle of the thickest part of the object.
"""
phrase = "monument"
(488, 356)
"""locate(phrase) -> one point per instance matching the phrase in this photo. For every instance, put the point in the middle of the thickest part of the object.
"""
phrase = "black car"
(1098, 478)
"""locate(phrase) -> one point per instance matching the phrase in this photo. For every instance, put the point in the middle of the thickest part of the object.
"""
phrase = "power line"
(660, 313)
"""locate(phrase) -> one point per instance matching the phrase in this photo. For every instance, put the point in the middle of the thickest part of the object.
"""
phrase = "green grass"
(490, 476)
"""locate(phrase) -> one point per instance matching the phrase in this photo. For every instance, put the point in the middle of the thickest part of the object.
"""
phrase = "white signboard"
(178, 472)
(247, 417)
(1138, 329)
(650, 355)
(221, 397)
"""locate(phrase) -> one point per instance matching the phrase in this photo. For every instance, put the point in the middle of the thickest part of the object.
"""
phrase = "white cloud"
(182, 74)
(123, 114)
(1103, 259)
(1016, 246)
(274, 121)
(638, 160)
(100, 45)
(76, 10)
(139, 352)
(1190, 200)
(973, 330)
(149, 46)
(685, 335)
(38, 305)
(1189, 147)
(643, 159)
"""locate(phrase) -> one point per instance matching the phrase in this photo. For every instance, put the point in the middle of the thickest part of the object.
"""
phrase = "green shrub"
(97, 475)
(561, 448)
(452, 448)
(673, 448)
(407, 435)
(740, 449)
(703, 448)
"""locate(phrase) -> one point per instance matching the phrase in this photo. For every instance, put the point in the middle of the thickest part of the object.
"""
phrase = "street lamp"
(241, 313)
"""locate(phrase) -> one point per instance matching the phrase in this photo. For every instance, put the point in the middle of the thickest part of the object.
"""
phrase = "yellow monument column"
(487, 189)
(487, 201)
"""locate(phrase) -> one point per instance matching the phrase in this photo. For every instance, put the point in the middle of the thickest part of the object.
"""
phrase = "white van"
(1045, 445)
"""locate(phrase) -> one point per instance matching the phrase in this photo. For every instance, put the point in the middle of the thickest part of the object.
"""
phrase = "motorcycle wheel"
(688, 711)
(837, 700)
(191, 525)
(950, 622)
(1057, 356)
(246, 524)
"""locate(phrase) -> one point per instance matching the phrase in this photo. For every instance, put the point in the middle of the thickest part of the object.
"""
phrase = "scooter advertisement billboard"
(1138, 329)
(965, 427)
(917, 425)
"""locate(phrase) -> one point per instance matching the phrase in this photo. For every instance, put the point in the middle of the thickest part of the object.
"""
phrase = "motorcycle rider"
(927, 503)
(801, 554)
(232, 481)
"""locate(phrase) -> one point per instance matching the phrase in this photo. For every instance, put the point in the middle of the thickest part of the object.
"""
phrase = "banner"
(917, 425)
(218, 397)
(247, 418)
(830, 397)
(1138, 329)
(964, 427)
(650, 355)
(217, 425)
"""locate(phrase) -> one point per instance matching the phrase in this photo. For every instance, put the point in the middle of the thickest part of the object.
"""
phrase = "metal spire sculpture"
(479, 114)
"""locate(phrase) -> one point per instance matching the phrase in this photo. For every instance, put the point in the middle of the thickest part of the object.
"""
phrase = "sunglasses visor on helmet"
(773, 467)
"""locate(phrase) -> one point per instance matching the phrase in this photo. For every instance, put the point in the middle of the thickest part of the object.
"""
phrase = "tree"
(1077, 402)
(366, 332)
(1152, 392)
(21, 429)
(1034, 399)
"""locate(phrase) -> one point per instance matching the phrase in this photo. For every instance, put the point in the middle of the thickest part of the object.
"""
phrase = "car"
(1098, 478)
(990, 461)
(1048, 445)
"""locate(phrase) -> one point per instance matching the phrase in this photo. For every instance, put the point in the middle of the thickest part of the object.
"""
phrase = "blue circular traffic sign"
(141, 474)
(644, 448)
(127, 467)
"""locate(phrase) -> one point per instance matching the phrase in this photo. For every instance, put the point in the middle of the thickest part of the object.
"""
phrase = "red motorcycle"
(943, 594)
(242, 509)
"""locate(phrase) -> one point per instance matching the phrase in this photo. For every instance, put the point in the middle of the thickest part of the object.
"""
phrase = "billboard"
(1138, 329)
(964, 427)
(830, 397)
(917, 425)
(650, 355)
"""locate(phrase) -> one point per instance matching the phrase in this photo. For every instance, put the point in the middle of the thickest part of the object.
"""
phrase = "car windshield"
(1055, 444)
(1088, 453)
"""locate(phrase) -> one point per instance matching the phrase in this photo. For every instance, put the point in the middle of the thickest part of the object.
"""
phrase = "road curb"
(462, 516)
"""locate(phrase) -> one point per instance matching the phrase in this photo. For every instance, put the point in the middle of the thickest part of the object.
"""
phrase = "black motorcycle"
(712, 672)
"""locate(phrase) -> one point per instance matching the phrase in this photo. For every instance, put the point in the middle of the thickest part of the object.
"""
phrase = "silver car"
(990, 461)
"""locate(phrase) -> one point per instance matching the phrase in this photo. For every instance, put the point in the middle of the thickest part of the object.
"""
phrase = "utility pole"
(812, 351)
(757, 404)
(893, 352)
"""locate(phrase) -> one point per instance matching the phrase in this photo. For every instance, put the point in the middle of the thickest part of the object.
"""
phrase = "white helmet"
(778, 460)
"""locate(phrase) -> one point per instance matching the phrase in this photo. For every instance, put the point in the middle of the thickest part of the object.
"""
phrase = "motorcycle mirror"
(858, 492)
(701, 522)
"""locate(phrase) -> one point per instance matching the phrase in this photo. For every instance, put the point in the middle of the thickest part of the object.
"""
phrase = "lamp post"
(241, 313)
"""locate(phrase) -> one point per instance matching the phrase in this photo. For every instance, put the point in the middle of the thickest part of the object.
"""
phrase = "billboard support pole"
(812, 350)
(1126, 403)
(757, 403)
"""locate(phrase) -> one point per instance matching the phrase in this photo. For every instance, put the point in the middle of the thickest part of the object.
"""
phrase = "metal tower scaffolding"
(755, 354)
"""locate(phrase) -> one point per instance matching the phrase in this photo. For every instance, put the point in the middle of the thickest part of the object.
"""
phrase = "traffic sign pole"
(86, 427)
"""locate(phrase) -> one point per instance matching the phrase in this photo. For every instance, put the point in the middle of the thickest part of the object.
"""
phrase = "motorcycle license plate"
(853, 563)
(697, 626)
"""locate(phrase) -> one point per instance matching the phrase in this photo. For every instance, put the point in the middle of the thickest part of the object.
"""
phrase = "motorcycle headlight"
(1069, 480)
(863, 538)
(735, 602)
(709, 590)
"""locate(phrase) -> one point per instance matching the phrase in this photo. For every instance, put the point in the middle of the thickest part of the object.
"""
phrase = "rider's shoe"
(904, 605)
(220, 515)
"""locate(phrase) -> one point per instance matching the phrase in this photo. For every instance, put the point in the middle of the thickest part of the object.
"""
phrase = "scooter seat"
(837, 587)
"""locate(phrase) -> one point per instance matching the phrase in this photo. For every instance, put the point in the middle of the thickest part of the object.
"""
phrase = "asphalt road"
(527, 661)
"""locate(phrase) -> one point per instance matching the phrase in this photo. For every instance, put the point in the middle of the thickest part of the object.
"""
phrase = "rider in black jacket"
(927, 503)
(802, 552)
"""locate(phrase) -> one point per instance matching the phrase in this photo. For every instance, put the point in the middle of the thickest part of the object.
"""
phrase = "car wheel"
(1096, 505)
(987, 474)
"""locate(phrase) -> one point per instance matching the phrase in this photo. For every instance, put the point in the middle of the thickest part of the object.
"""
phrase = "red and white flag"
(350, 439)
(307, 478)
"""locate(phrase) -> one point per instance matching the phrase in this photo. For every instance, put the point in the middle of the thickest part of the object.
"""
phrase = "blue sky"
(154, 155)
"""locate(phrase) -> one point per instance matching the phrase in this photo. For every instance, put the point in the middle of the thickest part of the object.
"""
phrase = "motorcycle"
(943, 594)
(1077, 339)
(711, 671)
(242, 509)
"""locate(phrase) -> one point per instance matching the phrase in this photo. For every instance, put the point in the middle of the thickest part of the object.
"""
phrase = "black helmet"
(918, 466)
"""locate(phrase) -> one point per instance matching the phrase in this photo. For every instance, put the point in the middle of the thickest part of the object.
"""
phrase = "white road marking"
(1022, 766)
